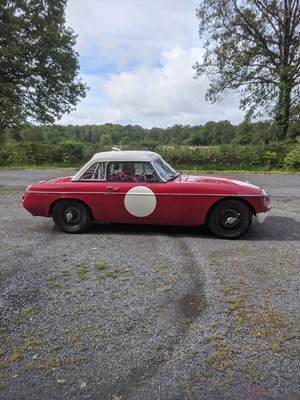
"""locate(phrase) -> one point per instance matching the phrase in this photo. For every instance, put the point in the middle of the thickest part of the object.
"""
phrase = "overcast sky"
(137, 57)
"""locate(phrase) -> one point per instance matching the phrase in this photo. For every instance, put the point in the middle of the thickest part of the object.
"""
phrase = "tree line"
(210, 134)
(215, 145)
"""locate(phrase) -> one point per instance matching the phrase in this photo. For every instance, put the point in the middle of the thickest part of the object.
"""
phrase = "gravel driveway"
(132, 312)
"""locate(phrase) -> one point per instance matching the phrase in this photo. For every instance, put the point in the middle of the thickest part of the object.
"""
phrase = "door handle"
(113, 188)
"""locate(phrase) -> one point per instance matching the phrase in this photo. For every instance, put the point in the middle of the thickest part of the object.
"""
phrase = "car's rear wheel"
(230, 219)
(71, 216)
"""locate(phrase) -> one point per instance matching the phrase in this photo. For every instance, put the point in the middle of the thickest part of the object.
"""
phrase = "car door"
(141, 200)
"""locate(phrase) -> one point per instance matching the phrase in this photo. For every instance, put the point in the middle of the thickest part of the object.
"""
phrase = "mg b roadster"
(139, 187)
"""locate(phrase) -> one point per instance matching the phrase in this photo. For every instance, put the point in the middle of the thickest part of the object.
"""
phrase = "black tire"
(230, 219)
(71, 216)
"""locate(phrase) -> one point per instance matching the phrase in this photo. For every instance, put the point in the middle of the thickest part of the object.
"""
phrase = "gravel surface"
(132, 312)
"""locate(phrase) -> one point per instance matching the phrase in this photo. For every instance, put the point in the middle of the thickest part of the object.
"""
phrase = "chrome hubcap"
(230, 221)
(72, 215)
(69, 216)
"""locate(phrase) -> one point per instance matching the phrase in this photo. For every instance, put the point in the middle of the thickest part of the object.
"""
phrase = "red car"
(139, 187)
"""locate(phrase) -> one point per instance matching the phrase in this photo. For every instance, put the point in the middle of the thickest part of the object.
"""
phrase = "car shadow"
(273, 229)
(149, 230)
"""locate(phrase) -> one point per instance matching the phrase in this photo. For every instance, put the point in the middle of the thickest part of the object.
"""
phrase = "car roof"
(118, 156)
(126, 155)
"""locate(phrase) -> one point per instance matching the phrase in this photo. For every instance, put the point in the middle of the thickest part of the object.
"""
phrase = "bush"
(228, 157)
(35, 153)
(292, 159)
(270, 158)
(71, 152)
(218, 158)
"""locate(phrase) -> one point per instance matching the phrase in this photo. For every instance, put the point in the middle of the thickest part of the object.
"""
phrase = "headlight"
(265, 198)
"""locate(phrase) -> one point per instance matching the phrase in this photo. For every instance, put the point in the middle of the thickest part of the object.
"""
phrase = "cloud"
(137, 58)
(166, 95)
(126, 31)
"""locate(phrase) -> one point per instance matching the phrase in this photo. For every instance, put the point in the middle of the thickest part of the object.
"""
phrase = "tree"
(38, 65)
(253, 46)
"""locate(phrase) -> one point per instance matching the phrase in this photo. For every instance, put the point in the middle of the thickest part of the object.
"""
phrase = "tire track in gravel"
(189, 302)
(192, 303)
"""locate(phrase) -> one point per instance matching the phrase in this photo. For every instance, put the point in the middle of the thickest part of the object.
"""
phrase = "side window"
(131, 172)
(94, 172)
(122, 172)
(149, 172)
(114, 171)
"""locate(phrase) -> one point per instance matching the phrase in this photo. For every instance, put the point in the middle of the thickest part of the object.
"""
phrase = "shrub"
(71, 151)
(292, 159)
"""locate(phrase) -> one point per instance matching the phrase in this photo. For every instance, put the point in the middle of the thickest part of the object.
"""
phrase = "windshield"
(165, 171)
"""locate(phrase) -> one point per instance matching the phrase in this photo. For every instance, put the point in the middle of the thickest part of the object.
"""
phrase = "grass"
(35, 167)
(246, 328)
(7, 191)
(26, 311)
(76, 336)
(82, 271)
(33, 353)
(101, 266)
(28, 343)
(51, 280)
(239, 171)
(111, 272)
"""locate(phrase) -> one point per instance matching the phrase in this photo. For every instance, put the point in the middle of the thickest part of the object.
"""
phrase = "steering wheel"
(121, 175)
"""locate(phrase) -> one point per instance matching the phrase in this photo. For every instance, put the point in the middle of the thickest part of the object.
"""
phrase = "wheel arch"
(230, 198)
(50, 212)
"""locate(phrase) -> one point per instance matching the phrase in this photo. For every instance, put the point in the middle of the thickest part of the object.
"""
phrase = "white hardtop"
(118, 156)
(126, 155)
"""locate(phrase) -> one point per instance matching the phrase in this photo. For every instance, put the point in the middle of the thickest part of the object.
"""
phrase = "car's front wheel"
(230, 219)
(71, 216)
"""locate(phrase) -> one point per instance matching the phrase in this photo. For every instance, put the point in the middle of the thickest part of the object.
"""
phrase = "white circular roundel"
(140, 201)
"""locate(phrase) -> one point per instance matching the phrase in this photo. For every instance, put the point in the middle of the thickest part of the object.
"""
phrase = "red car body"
(149, 198)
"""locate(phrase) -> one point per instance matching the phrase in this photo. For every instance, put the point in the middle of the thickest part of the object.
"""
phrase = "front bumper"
(261, 217)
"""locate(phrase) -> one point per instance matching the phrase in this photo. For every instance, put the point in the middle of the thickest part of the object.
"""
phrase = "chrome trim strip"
(111, 193)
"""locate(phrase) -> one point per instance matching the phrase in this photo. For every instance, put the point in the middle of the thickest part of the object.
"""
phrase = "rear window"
(95, 172)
